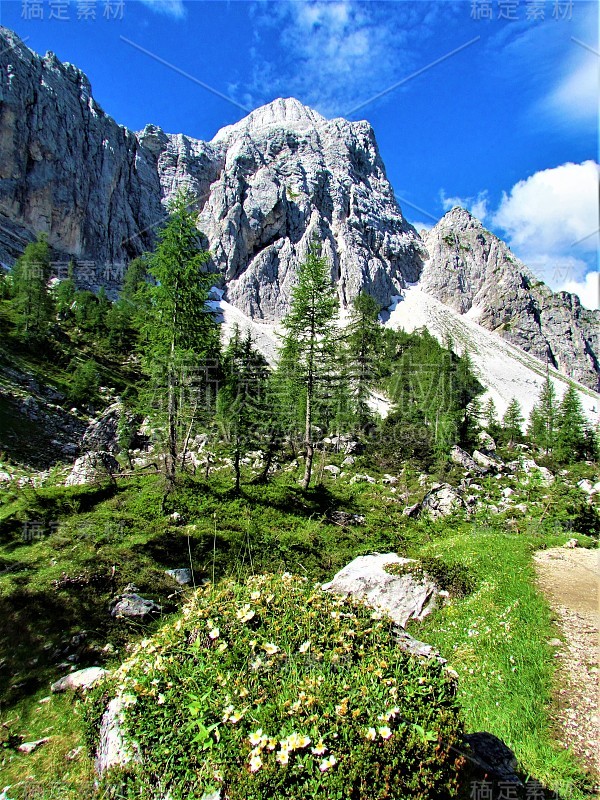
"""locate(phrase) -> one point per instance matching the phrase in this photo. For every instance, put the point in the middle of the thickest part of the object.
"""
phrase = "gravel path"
(570, 581)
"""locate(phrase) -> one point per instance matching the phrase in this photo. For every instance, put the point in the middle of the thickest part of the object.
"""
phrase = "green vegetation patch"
(274, 688)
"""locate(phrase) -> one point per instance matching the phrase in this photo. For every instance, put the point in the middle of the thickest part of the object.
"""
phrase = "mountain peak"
(459, 217)
(285, 112)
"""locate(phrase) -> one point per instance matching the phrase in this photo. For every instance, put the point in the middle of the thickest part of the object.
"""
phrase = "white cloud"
(169, 8)
(333, 54)
(575, 99)
(478, 206)
(587, 289)
(555, 210)
(551, 222)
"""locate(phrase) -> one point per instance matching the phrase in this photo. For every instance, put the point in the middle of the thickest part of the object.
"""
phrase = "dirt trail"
(570, 581)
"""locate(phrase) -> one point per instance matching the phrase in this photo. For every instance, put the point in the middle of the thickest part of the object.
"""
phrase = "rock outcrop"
(475, 273)
(401, 595)
(263, 187)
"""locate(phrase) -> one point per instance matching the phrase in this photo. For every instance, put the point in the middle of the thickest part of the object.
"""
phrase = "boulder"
(332, 469)
(82, 679)
(401, 597)
(463, 459)
(133, 606)
(353, 448)
(182, 576)
(412, 511)
(442, 500)
(390, 480)
(348, 461)
(91, 467)
(102, 432)
(486, 444)
(528, 465)
(362, 479)
(29, 747)
(345, 518)
(113, 750)
(488, 462)
(586, 486)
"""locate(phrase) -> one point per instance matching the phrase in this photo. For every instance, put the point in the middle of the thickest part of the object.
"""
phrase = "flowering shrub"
(276, 689)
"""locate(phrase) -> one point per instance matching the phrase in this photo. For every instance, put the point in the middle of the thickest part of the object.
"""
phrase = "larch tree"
(32, 300)
(309, 340)
(542, 422)
(572, 436)
(181, 335)
(364, 339)
(512, 423)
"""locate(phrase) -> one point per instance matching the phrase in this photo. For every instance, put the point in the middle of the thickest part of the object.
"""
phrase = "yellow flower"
(319, 750)
(243, 692)
(327, 763)
(222, 647)
(255, 762)
(271, 744)
(255, 738)
(384, 732)
(304, 646)
(283, 757)
(270, 648)
(370, 734)
(255, 596)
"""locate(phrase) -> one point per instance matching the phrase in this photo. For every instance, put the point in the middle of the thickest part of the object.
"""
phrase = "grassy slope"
(495, 637)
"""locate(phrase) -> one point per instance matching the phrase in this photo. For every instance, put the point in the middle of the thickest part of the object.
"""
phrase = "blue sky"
(501, 115)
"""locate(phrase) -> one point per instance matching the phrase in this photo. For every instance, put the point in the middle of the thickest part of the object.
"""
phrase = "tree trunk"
(309, 450)
(171, 460)
(236, 468)
(264, 475)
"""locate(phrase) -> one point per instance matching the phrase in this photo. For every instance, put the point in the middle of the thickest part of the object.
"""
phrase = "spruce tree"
(30, 294)
(309, 340)
(512, 423)
(572, 437)
(181, 337)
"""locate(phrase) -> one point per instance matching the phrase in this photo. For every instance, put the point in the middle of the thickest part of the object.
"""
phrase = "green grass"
(496, 639)
(274, 528)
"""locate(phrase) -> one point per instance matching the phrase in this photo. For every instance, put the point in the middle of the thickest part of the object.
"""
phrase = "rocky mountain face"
(67, 168)
(264, 187)
(475, 273)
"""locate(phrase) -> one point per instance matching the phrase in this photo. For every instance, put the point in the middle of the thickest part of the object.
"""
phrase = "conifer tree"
(490, 418)
(242, 410)
(572, 437)
(309, 340)
(542, 422)
(512, 423)
(181, 336)
(30, 294)
(364, 339)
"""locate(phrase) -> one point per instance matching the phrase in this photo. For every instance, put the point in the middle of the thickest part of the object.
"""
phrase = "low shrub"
(273, 688)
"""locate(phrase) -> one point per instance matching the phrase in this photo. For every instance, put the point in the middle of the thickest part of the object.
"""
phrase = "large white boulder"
(402, 597)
